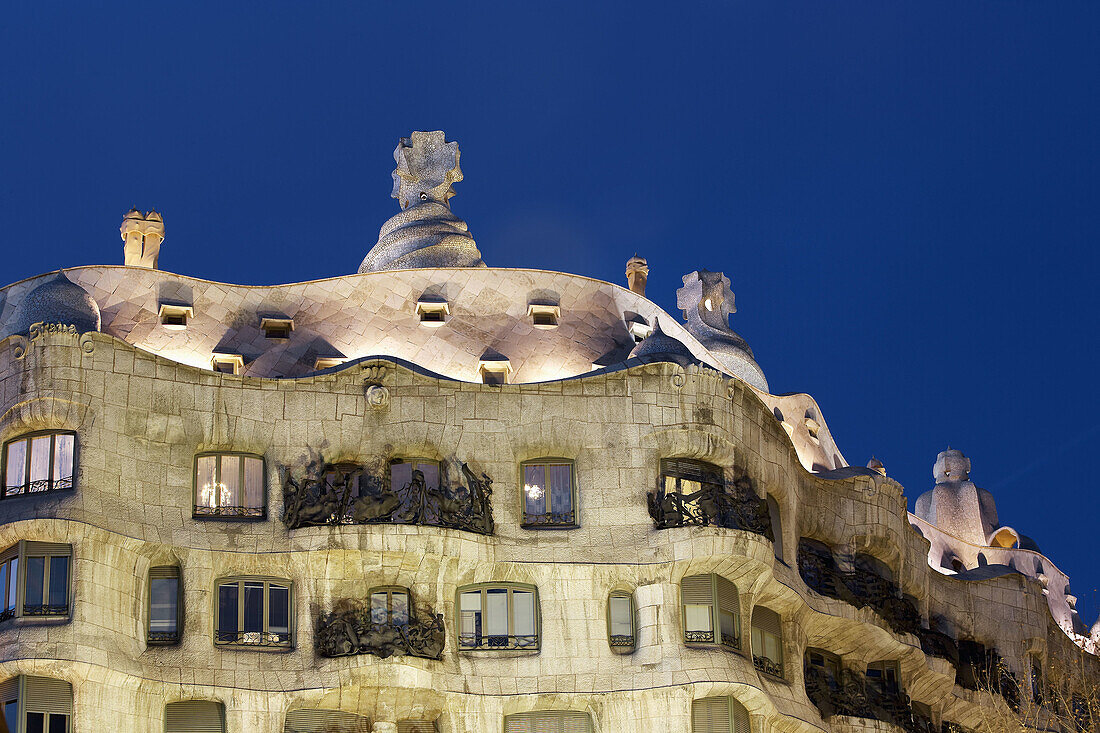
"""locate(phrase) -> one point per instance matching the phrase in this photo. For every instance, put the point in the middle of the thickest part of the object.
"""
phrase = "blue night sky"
(905, 197)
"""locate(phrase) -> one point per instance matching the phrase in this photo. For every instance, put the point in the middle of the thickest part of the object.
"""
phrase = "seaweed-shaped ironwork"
(327, 494)
(731, 503)
(349, 630)
(856, 696)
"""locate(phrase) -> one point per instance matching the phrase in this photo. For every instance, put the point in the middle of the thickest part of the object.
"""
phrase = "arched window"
(45, 704)
(254, 612)
(777, 526)
(620, 622)
(230, 486)
(549, 494)
(498, 616)
(548, 721)
(39, 462)
(710, 602)
(767, 641)
(719, 715)
(320, 721)
(194, 716)
(165, 606)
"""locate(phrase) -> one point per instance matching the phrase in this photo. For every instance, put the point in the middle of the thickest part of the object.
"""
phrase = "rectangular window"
(767, 641)
(45, 579)
(548, 721)
(38, 463)
(254, 612)
(164, 605)
(620, 622)
(46, 705)
(686, 484)
(548, 494)
(498, 617)
(229, 486)
(885, 675)
(389, 606)
(404, 470)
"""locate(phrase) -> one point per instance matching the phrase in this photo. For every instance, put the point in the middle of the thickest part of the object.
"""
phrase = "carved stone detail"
(349, 630)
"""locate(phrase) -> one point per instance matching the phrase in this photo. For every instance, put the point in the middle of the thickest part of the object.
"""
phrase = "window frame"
(511, 588)
(622, 647)
(777, 667)
(884, 667)
(716, 611)
(262, 645)
(532, 523)
(25, 486)
(740, 721)
(416, 461)
(20, 552)
(389, 590)
(216, 513)
(832, 673)
(22, 704)
(543, 717)
(177, 635)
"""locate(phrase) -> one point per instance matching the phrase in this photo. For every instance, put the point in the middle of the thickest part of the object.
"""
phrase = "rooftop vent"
(277, 329)
(226, 363)
(174, 316)
(433, 312)
(327, 362)
(543, 315)
(494, 368)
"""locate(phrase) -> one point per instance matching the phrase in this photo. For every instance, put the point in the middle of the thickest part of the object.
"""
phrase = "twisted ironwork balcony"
(718, 505)
(768, 666)
(45, 609)
(622, 640)
(699, 637)
(730, 640)
(261, 639)
(245, 512)
(327, 494)
(498, 641)
(7, 613)
(351, 631)
(853, 695)
(41, 486)
(549, 519)
(162, 638)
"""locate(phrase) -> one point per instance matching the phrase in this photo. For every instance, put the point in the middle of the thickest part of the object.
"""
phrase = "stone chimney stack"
(142, 235)
(636, 272)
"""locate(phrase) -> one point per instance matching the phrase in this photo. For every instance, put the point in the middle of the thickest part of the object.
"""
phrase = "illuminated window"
(229, 486)
(494, 370)
(548, 494)
(35, 580)
(432, 313)
(544, 316)
(174, 317)
(277, 329)
(620, 622)
(688, 477)
(226, 363)
(390, 606)
(165, 606)
(711, 602)
(404, 471)
(327, 362)
(498, 616)
(767, 641)
(719, 715)
(45, 704)
(39, 462)
(254, 612)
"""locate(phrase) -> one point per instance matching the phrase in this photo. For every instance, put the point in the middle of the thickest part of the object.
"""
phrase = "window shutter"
(697, 589)
(47, 548)
(740, 717)
(322, 721)
(416, 726)
(9, 690)
(767, 620)
(548, 721)
(691, 469)
(9, 553)
(194, 716)
(710, 715)
(167, 571)
(46, 695)
(727, 596)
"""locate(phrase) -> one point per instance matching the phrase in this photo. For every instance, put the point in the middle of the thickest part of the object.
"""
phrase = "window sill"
(230, 514)
(173, 641)
(244, 647)
(37, 620)
(8, 494)
(536, 526)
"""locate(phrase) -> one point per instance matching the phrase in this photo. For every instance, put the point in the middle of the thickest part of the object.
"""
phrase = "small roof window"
(277, 329)
(494, 368)
(327, 362)
(544, 315)
(433, 312)
(174, 316)
(226, 363)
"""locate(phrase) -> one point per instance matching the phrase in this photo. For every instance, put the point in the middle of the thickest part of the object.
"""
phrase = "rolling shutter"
(727, 597)
(39, 549)
(767, 620)
(9, 690)
(416, 726)
(740, 717)
(46, 695)
(9, 553)
(548, 721)
(710, 715)
(194, 716)
(322, 721)
(692, 470)
(697, 589)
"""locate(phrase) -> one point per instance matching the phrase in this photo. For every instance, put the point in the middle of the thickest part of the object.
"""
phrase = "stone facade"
(143, 402)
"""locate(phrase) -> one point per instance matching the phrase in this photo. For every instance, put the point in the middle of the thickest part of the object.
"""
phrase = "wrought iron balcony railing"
(622, 640)
(549, 519)
(41, 486)
(46, 609)
(768, 666)
(498, 641)
(244, 512)
(350, 632)
(254, 638)
(162, 638)
(716, 505)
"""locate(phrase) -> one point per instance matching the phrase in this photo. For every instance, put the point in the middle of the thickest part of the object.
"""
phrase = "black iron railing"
(163, 637)
(39, 487)
(768, 666)
(244, 512)
(622, 640)
(729, 505)
(498, 641)
(350, 632)
(254, 638)
(549, 519)
(45, 609)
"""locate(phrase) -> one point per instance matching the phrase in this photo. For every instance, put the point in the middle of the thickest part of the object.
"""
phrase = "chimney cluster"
(636, 271)
(142, 235)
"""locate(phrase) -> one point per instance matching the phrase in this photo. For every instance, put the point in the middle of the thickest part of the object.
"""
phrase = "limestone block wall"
(141, 419)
